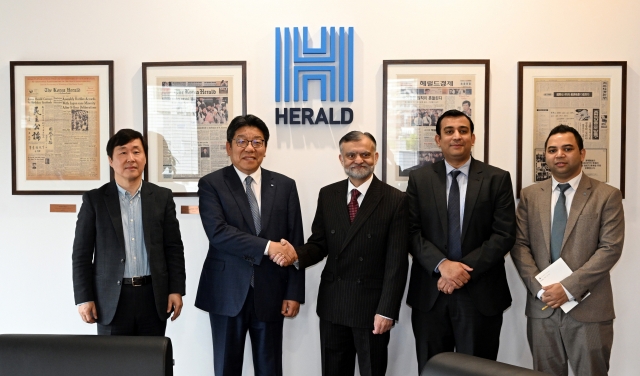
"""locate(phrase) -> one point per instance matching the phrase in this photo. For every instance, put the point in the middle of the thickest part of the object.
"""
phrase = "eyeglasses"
(352, 156)
(242, 143)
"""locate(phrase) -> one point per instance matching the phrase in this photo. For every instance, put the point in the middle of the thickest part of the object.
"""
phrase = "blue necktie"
(253, 204)
(453, 211)
(255, 211)
(559, 222)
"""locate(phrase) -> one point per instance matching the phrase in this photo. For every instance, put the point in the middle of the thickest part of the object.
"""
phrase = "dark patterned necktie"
(453, 210)
(353, 204)
(559, 222)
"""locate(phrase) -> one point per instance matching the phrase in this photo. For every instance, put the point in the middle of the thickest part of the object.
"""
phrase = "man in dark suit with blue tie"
(246, 211)
(360, 226)
(462, 224)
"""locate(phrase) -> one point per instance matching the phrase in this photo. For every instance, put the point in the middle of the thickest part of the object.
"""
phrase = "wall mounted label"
(330, 64)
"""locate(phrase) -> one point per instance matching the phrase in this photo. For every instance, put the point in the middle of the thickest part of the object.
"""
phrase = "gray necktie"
(559, 222)
(453, 211)
(255, 211)
(253, 204)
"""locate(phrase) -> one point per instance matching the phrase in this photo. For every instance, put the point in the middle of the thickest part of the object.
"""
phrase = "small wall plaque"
(62, 208)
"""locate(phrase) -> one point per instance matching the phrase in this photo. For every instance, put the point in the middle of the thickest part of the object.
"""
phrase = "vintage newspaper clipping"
(62, 128)
(582, 103)
(191, 118)
(415, 102)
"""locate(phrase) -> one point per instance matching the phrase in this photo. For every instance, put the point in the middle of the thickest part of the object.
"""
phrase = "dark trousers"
(454, 323)
(136, 314)
(339, 345)
(229, 335)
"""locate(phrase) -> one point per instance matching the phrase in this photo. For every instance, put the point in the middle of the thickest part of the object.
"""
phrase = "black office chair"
(82, 355)
(450, 363)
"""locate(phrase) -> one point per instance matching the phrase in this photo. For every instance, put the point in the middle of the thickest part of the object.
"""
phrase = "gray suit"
(592, 244)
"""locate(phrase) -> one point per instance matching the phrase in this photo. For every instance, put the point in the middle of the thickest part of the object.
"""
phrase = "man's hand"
(286, 256)
(455, 273)
(381, 324)
(175, 305)
(290, 308)
(554, 295)
(88, 312)
(445, 287)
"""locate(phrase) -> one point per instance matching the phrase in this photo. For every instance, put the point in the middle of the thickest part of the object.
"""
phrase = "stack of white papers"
(555, 273)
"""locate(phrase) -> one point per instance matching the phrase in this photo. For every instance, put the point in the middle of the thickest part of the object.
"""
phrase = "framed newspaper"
(589, 96)
(61, 120)
(414, 94)
(187, 107)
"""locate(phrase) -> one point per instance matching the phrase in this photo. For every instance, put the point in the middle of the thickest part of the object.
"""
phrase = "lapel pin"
(272, 185)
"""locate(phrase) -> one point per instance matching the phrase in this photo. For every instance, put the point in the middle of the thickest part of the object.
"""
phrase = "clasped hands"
(282, 253)
(453, 275)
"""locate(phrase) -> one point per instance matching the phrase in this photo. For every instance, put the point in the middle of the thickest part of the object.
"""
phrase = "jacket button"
(369, 235)
(118, 283)
(337, 257)
(339, 279)
(358, 281)
(122, 261)
(333, 231)
(360, 258)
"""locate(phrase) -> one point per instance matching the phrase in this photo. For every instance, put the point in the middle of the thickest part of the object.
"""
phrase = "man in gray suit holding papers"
(580, 220)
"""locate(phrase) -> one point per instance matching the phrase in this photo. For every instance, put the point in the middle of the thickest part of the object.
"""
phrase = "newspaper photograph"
(582, 103)
(62, 127)
(191, 118)
(415, 102)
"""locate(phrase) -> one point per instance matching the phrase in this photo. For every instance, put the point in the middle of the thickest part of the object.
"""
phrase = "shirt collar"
(573, 182)
(123, 192)
(257, 175)
(362, 188)
(464, 168)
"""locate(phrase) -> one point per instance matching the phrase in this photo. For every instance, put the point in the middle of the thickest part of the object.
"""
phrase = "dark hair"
(565, 129)
(452, 114)
(247, 121)
(467, 102)
(123, 137)
(356, 136)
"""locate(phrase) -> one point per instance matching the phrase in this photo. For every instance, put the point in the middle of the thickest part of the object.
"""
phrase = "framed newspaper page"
(187, 109)
(61, 120)
(588, 96)
(414, 95)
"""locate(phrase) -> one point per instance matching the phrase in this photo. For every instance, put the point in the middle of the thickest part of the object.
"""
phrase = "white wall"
(35, 255)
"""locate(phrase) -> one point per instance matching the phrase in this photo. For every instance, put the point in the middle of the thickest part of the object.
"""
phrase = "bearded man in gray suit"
(581, 220)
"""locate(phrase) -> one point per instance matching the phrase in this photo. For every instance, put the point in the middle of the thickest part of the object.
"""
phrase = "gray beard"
(361, 173)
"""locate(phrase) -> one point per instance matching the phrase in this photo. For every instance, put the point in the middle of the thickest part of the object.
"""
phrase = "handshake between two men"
(282, 253)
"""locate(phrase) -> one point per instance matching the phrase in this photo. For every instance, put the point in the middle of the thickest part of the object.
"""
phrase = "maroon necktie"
(353, 204)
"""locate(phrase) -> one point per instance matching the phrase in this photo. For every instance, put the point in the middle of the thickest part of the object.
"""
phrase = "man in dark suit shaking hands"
(360, 226)
(462, 224)
(246, 210)
(128, 258)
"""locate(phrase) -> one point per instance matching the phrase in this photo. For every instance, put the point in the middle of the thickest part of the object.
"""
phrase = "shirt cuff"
(266, 249)
(437, 269)
(84, 303)
(297, 264)
(571, 298)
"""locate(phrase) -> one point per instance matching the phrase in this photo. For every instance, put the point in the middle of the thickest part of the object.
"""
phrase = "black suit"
(487, 234)
(235, 253)
(99, 251)
(366, 267)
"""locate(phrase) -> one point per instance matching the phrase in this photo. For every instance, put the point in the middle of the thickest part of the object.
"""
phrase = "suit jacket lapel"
(267, 196)
(579, 200)
(439, 186)
(371, 200)
(113, 206)
(240, 195)
(543, 198)
(474, 182)
(146, 200)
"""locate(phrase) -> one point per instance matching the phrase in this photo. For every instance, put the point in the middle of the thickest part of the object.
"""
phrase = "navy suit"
(235, 253)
